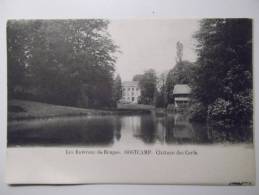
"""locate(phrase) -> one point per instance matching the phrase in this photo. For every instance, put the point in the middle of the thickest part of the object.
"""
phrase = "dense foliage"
(223, 74)
(161, 94)
(117, 89)
(67, 62)
(147, 83)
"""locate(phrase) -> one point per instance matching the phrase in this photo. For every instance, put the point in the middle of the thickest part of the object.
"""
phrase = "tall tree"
(181, 73)
(117, 89)
(161, 100)
(148, 87)
(179, 52)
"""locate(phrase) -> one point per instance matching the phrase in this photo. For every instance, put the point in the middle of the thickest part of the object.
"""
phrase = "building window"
(133, 99)
(128, 89)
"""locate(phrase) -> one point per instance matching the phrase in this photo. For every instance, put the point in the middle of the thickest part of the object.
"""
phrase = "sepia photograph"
(96, 82)
(143, 83)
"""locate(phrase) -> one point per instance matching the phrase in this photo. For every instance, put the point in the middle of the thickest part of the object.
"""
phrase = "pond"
(110, 130)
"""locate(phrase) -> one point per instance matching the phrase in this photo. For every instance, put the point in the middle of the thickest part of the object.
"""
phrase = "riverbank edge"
(38, 110)
(104, 113)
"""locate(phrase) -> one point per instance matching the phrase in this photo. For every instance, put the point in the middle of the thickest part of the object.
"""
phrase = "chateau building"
(130, 91)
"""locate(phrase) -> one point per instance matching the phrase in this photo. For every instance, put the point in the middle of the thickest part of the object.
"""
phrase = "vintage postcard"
(154, 101)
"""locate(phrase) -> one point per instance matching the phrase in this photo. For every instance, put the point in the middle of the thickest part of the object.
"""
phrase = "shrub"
(237, 111)
(198, 112)
(219, 110)
(242, 109)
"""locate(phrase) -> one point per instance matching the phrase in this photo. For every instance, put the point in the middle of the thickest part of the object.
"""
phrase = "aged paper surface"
(211, 166)
(130, 101)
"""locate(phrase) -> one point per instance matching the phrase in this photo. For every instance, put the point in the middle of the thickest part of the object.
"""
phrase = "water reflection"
(65, 131)
(125, 130)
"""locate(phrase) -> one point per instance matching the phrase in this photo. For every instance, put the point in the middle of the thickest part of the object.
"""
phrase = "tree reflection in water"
(176, 129)
(64, 131)
(117, 128)
(126, 130)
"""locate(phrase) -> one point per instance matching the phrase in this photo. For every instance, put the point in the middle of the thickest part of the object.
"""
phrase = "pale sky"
(151, 44)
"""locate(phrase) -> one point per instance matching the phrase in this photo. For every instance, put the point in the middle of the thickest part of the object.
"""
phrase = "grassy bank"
(136, 106)
(21, 109)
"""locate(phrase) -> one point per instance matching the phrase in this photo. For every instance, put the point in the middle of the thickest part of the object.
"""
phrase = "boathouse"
(181, 96)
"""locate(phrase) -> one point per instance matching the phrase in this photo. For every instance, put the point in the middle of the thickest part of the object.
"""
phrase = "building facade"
(181, 96)
(130, 92)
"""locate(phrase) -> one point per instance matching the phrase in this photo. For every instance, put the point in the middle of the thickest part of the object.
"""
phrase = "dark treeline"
(222, 80)
(67, 62)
